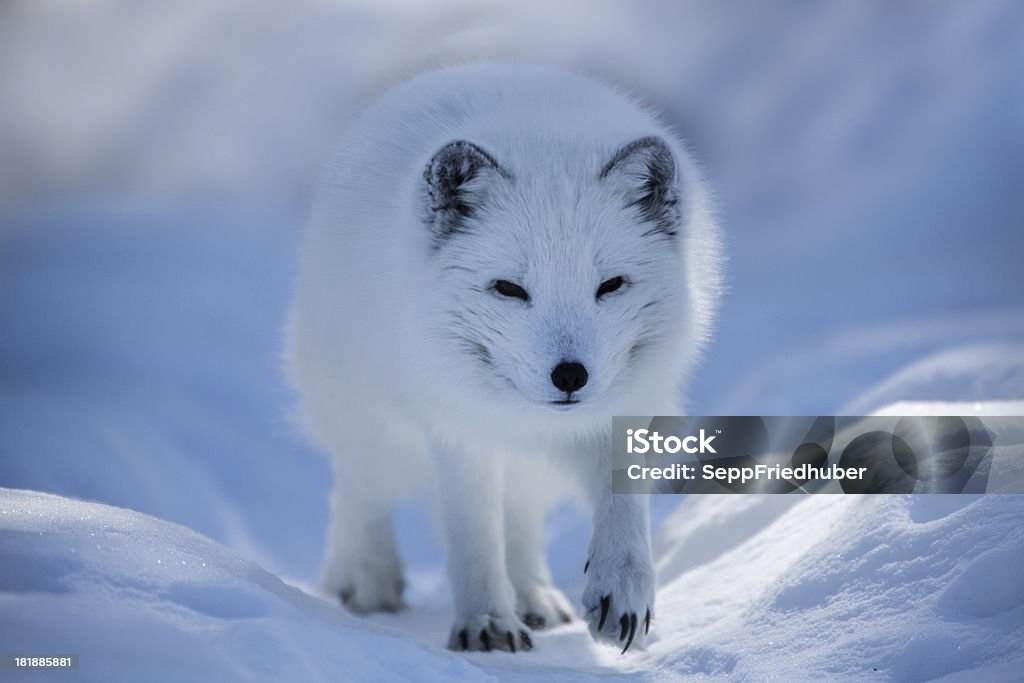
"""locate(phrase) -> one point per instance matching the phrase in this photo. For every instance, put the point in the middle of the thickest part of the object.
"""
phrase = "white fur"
(386, 332)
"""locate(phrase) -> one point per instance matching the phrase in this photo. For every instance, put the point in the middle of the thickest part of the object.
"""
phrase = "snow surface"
(143, 599)
(871, 587)
(155, 164)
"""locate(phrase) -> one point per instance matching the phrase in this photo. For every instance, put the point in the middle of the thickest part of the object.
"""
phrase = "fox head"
(560, 285)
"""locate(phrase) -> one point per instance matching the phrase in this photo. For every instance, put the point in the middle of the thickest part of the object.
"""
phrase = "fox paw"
(618, 600)
(486, 632)
(365, 592)
(542, 606)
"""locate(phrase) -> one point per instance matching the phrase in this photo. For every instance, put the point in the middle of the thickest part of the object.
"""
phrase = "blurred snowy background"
(156, 160)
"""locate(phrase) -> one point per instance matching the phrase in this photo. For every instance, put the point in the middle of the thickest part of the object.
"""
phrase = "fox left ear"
(457, 181)
(646, 171)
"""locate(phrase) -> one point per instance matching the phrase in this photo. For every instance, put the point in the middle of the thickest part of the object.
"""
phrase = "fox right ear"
(456, 184)
(645, 171)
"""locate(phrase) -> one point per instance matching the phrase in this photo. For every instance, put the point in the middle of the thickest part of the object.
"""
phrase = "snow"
(955, 374)
(988, 408)
(144, 599)
(843, 587)
(155, 162)
(899, 587)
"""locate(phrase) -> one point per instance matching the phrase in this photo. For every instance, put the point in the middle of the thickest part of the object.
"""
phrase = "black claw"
(534, 621)
(647, 622)
(632, 632)
(485, 638)
(586, 567)
(345, 595)
(566, 619)
(464, 639)
(525, 639)
(605, 604)
(511, 641)
(624, 624)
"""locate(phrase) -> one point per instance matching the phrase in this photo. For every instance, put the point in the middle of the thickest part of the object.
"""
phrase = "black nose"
(569, 377)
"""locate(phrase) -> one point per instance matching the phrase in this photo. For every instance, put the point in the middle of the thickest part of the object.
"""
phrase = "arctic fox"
(499, 259)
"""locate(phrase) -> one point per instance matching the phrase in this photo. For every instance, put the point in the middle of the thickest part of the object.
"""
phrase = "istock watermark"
(646, 440)
(818, 454)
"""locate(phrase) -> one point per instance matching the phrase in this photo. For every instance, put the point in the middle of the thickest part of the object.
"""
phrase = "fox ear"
(645, 170)
(456, 185)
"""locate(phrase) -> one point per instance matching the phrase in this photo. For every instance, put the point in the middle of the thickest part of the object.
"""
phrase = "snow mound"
(899, 587)
(896, 587)
(144, 599)
(992, 372)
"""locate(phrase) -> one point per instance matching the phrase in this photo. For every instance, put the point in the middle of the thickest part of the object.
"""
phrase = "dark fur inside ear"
(452, 197)
(647, 169)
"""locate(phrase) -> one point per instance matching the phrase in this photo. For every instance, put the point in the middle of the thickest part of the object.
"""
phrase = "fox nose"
(569, 377)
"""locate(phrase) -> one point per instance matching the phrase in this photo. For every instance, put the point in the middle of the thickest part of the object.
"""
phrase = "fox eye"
(609, 286)
(510, 289)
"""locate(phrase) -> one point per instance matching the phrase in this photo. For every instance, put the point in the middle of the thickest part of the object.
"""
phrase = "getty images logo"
(646, 440)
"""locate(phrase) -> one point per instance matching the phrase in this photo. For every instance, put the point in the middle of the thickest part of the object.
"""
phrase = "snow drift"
(882, 587)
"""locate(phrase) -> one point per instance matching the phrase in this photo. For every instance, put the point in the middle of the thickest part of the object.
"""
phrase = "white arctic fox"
(499, 259)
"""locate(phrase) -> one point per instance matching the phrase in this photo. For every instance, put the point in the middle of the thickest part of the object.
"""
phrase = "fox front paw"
(363, 592)
(486, 632)
(618, 600)
(542, 606)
